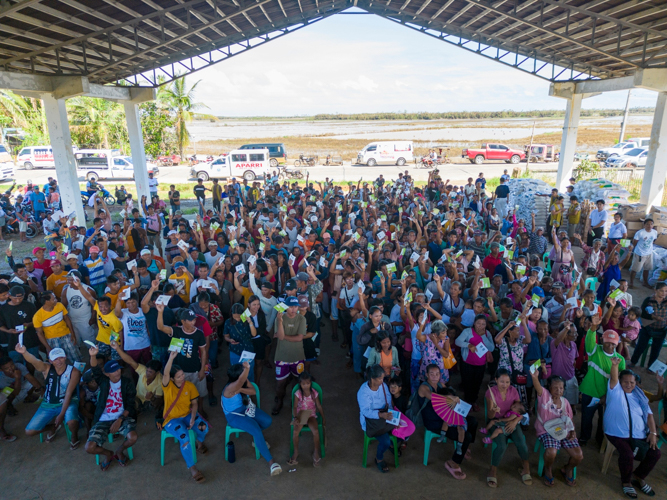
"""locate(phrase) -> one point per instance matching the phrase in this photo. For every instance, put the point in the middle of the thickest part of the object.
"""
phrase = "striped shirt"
(96, 271)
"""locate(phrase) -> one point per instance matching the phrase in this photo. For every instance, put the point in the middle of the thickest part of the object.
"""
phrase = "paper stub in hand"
(19, 328)
(252, 259)
(246, 356)
(391, 267)
(246, 315)
(126, 293)
(614, 284)
(280, 307)
(323, 262)
(381, 235)
(240, 269)
(593, 402)
(292, 259)
(625, 243)
(535, 299)
(414, 256)
(123, 213)
(7, 391)
(616, 293)
(20, 339)
(176, 345)
(658, 367)
(361, 286)
(367, 352)
(163, 299)
(462, 408)
(486, 283)
(397, 418)
(540, 275)
(481, 350)
(308, 230)
(89, 343)
(535, 366)
(429, 295)
(131, 264)
(572, 300)
(183, 245)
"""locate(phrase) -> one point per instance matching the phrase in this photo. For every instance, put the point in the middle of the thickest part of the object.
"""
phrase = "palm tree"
(96, 121)
(180, 101)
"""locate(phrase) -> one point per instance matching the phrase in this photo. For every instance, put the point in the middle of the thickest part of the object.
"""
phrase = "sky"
(366, 64)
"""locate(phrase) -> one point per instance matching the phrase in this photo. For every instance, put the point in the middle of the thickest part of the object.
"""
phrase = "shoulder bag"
(639, 446)
(517, 377)
(377, 426)
(171, 407)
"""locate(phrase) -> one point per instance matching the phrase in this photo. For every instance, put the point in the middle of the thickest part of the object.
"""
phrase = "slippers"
(646, 489)
(491, 482)
(571, 481)
(50, 437)
(74, 446)
(629, 491)
(204, 450)
(291, 462)
(548, 481)
(483, 430)
(199, 477)
(487, 440)
(276, 469)
(382, 466)
(106, 464)
(10, 438)
(121, 461)
(316, 461)
(456, 473)
(525, 478)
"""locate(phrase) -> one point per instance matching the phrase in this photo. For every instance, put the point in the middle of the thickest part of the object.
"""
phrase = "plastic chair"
(67, 431)
(609, 451)
(593, 282)
(428, 436)
(540, 464)
(661, 435)
(305, 428)
(129, 451)
(165, 435)
(229, 430)
(367, 441)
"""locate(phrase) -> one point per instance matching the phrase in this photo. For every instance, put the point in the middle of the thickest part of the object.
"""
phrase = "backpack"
(414, 411)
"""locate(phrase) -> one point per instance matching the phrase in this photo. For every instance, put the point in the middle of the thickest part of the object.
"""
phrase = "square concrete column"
(656, 163)
(138, 153)
(569, 141)
(61, 143)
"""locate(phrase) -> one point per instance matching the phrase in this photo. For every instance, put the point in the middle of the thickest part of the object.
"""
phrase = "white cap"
(172, 232)
(336, 228)
(56, 353)
(145, 251)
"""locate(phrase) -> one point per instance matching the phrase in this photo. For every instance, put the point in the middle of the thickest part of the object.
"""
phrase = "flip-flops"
(104, 466)
(548, 481)
(291, 462)
(10, 438)
(51, 437)
(74, 446)
(456, 473)
(121, 461)
(571, 481)
(382, 466)
(491, 482)
(525, 478)
(646, 489)
(316, 461)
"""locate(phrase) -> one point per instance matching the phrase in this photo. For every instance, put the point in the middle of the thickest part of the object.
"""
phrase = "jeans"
(213, 352)
(626, 459)
(234, 360)
(645, 334)
(48, 412)
(178, 427)
(519, 441)
(384, 442)
(254, 427)
(587, 414)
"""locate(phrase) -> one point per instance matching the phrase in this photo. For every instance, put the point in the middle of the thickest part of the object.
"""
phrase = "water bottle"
(231, 452)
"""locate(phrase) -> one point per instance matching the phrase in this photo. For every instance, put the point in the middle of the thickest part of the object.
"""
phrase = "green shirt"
(599, 367)
(291, 352)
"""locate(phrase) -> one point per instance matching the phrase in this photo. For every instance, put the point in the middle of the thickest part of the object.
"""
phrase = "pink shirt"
(547, 410)
(505, 406)
(306, 402)
(473, 358)
(634, 326)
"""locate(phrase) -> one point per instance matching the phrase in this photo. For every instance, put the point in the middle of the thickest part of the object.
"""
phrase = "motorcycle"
(427, 162)
(306, 160)
(108, 199)
(289, 173)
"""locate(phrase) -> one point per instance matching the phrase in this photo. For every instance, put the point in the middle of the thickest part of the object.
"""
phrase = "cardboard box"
(635, 226)
(631, 233)
(662, 241)
(633, 213)
(660, 229)
(659, 218)
(658, 210)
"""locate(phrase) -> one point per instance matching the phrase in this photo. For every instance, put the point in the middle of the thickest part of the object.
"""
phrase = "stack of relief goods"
(614, 196)
(530, 196)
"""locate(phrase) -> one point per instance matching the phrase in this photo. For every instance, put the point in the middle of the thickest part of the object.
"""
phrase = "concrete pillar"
(138, 153)
(569, 141)
(656, 163)
(61, 142)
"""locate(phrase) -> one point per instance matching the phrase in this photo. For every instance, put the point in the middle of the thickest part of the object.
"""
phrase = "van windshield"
(371, 148)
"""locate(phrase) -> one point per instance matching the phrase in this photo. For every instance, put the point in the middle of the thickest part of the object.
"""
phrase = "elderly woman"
(552, 405)
(436, 348)
(630, 428)
(593, 256)
(475, 343)
(499, 401)
(511, 341)
(374, 399)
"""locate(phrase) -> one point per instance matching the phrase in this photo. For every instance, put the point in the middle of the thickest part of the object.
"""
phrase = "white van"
(386, 153)
(94, 164)
(6, 164)
(246, 163)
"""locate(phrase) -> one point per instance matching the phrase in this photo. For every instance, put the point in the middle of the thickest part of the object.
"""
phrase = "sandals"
(483, 430)
(198, 477)
(51, 437)
(291, 462)
(382, 466)
(487, 440)
(74, 446)
(10, 438)
(121, 461)
(646, 489)
(456, 473)
(104, 466)
(316, 461)
(571, 481)
(491, 482)
(525, 478)
(276, 469)
(629, 491)
(548, 481)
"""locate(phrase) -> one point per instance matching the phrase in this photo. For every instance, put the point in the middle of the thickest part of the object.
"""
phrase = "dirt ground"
(34, 470)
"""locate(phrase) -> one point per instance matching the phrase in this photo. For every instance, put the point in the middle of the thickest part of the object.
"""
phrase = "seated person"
(121, 195)
(24, 387)
(89, 391)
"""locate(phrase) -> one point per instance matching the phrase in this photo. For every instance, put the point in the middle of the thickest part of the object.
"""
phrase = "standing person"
(152, 185)
(136, 340)
(642, 260)
(654, 322)
(180, 413)
(501, 198)
(107, 322)
(598, 219)
(174, 198)
(80, 310)
(115, 412)
(54, 327)
(290, 356)
(627, 419)
(16, 317)
(216, 193)
(61, 396)
(473, 357)
(96, 275)
(200, 193)
(564, 357)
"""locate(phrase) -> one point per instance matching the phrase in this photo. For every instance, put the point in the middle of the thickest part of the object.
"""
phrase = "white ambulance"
(386, 153)
(247, 163)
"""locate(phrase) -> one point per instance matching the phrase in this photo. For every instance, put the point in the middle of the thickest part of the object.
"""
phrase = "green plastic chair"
(305, 428)
(539, 446)
(642, 362)
(661, 435)
(165, 435)
(428, 437)
(129, 451)
(67, 431)
(229, 430)
(367, 441)
(593, 282)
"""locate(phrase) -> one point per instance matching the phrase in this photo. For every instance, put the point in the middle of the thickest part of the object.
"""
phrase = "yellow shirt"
(114, 297)
(106, 324)
(155, 387)
(52, 322)
(574, 213)
(56, 282)
(182, 406)
(185, 293)
(246, 293)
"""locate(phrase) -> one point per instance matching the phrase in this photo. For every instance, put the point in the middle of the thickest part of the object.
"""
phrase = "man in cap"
(172, 250)
(212, 256)
(290, 356)
(203, 283)
(60, 406)
(54, 328)
(15, 319)
(40, 262)
(95, 265)
(72, 263)
(115, 412)
(58, 278)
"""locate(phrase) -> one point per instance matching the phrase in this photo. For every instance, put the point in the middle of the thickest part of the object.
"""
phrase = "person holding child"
(305, 408)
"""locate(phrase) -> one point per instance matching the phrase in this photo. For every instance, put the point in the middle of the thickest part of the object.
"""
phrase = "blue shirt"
(372, 402)
(38, 200)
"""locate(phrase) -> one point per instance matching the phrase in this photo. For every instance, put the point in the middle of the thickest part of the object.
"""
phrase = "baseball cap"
(111, 366)
(37, 249)
(267, 284)
(188, 315)
(290, 285)
(440, 270)
(178, 264)
(610, 336)
(212, 243)
(336, 228)
(94, 249)
(303, 301)
(16, 291)
(72, 256)
(145, 252)
(87, 376)
(538, 291)
(558, 284)
(292, 301)
(55, 263)
(56, 353)
(172, 232)
(302, 276)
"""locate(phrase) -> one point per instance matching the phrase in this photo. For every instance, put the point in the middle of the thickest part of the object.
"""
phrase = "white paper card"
(397, 418)
(572, 300)
(163, 299)
(246, 356)
(462, 408)
(414, 256)
(132, 264)
(481, 350)
(240, 269)
(21, 340)
(429, 295)
(252, 259)
(126, 293)
(658, 367)
(182, 244)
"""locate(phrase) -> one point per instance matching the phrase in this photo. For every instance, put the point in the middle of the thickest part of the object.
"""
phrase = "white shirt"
(643, 242)
(616, 418)
(210, 284)
(135, 331)
(598, 216)
(617, 230)
(152, 184)
(114, 405)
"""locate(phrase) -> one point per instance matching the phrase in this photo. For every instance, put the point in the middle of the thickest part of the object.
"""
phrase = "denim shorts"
(48, 412)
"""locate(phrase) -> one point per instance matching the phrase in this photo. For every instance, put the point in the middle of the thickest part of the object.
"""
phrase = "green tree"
(97, 122)
(158, 128)
(180, 100)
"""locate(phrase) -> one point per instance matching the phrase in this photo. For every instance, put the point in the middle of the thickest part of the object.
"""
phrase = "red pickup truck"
(493, 152)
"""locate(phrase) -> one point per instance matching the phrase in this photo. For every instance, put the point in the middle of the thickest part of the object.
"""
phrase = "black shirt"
(502, 191)
(189, 358)
(12, 316)
(200, 191)
(158, 337)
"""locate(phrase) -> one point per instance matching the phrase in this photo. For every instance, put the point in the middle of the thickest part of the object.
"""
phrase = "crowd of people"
(417, 285)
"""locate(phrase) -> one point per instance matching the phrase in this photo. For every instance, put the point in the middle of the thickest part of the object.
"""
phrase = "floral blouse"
(517, 355)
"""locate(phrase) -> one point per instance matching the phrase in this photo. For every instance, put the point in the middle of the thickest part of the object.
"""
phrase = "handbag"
(377, 426)
(639, 446)
(450, 360)
(517, 377)
(558, 427)
(250, 409)
(405, 429)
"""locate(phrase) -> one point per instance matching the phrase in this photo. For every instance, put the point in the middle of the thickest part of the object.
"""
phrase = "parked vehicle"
(619, 149)
(541, 152)
(493, 152)
(276, 150)
(631, 159)
(386, 153)
(168, 160)
(311, 161)
(108, 198)
(94, 164)
(246, 163)
(6, 165)
(289, 173)
(12, 138)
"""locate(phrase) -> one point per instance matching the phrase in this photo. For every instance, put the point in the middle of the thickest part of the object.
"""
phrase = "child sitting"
(516, 410)
(304, 412)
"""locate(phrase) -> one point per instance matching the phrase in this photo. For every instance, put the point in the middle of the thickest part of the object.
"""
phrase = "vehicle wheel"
(472, 161)
(371, 162)
(515, 159)
(31, 232)
(202, 175)
(479, 159)
(632, 165)
(28, 165)
(273, 162)
(299, 174)
(281, 177)
(249, 175)
(110, 200)
(400, 162)
(311, 163)
(92, 176)
(84, 200)
(297, 163)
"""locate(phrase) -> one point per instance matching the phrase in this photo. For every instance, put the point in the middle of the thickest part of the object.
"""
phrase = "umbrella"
(443, 410)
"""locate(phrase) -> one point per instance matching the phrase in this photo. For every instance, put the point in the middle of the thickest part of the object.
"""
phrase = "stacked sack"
(613, 194)
(531, 196)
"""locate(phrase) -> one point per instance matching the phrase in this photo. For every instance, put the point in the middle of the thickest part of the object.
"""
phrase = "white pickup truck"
(621, 148)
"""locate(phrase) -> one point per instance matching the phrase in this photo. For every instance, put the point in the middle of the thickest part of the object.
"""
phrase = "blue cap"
(178, 264)
(111, 366)
(538, 291)
(292, 301)
(440, 270)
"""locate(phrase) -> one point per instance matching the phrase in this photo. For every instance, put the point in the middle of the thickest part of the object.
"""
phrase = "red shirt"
(45, 267)
(490, 263)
